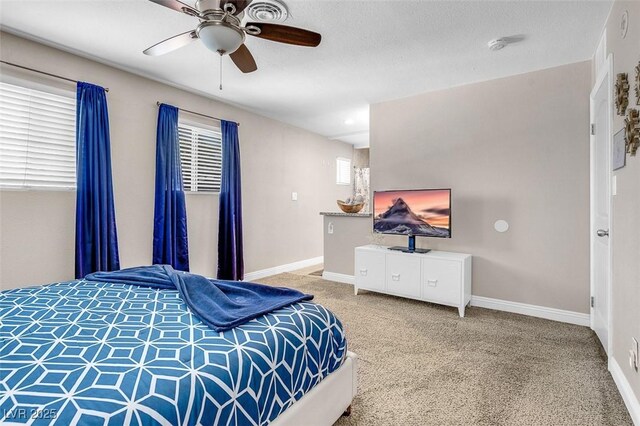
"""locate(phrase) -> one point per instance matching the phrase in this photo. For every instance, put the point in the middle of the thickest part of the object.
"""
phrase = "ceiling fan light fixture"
(220, 37)
(221, 29)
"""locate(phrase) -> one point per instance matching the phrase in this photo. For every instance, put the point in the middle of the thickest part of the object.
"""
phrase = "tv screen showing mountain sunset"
(413, 212)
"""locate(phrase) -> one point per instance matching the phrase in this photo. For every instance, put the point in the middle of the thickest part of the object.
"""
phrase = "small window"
(37, 138)
(343, 171)
(200, 157)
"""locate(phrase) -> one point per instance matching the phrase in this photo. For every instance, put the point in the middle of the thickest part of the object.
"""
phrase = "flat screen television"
(416, 212)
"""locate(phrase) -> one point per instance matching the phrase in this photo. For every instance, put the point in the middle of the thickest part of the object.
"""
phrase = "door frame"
(605, 76)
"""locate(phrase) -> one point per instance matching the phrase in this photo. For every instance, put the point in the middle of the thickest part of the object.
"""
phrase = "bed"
(89, 353)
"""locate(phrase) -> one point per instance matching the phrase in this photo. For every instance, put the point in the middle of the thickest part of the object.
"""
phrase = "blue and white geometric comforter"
(108, 354)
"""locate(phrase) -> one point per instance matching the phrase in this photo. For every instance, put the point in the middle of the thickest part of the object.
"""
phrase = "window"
(200, 157)
(343, 171)
(37, 138)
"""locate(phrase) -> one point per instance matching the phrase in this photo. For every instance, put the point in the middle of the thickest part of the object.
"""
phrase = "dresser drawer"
(403, 275)
(442, 281)
(369, 270)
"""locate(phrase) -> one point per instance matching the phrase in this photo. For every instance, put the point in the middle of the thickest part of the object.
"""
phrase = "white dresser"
(438, 276)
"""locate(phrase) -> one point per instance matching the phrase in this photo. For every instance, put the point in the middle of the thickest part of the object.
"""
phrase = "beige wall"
(37, 227)
(625, 234)
(517, 149)
(349, 232)
(361, 157)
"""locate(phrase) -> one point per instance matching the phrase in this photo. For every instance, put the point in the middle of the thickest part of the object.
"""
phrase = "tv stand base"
(411, 247)
(408, 250)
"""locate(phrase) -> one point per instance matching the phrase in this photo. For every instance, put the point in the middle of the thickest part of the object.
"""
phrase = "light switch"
(614, 185)
(294, 196)
(330, 228)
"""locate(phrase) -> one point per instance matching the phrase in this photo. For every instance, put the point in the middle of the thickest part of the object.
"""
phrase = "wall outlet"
(294, 196)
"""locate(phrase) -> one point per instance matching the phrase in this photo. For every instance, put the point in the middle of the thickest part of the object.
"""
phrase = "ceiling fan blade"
(285, 34)
(244, 59)
(171, 44)
(240, 5)
(178, 6)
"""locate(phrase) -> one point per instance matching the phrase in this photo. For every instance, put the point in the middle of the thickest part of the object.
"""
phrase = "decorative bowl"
(349, 208)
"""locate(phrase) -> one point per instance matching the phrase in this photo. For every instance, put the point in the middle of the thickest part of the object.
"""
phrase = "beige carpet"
(420, 364)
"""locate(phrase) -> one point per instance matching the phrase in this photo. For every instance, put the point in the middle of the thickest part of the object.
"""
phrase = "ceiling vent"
(267, 11)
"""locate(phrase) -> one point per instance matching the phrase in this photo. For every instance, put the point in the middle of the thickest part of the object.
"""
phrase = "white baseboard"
(554, 314)
(283, 268)
(341, 278)
(629, 398)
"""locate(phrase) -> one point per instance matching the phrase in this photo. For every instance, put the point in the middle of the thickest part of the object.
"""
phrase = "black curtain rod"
(43, 72)
(200, 114)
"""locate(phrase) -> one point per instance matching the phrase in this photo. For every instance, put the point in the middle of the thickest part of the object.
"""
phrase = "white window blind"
(343, 171)
(200, 157)
(37, 138)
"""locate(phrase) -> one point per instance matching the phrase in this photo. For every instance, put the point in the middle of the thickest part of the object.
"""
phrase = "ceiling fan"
(221, 31)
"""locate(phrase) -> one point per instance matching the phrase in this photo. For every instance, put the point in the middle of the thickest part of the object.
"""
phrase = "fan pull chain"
(221, 71)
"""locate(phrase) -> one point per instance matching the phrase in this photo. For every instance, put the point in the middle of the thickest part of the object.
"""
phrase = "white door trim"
(604, 76)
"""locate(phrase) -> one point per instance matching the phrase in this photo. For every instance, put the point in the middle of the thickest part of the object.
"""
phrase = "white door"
(601, 116)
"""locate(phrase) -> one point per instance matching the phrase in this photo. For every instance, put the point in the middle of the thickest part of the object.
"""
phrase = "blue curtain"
(96, 235)
(170, 243)
(230, 257)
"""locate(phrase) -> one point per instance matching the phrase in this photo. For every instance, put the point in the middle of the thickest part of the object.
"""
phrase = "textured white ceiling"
(371, 50)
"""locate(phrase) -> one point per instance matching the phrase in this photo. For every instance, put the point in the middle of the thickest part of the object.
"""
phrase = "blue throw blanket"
(221, 305)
